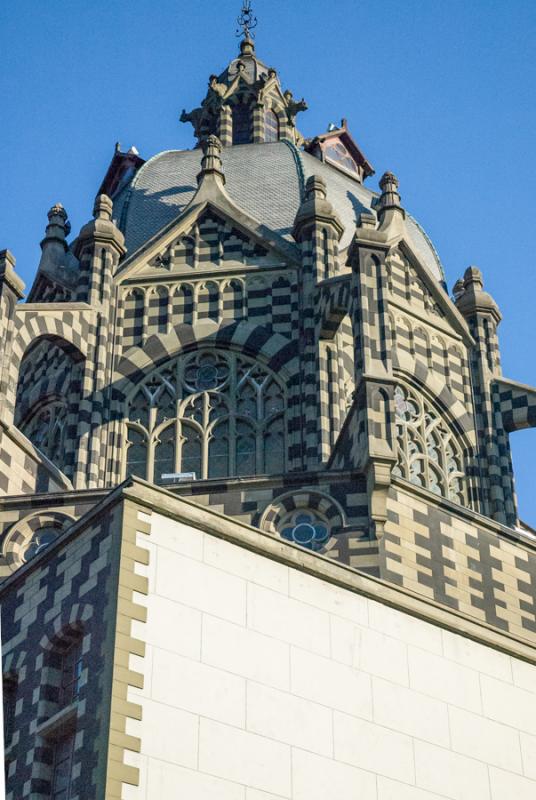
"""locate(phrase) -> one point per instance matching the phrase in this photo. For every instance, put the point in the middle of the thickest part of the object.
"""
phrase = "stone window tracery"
(46, 430)
(428, 453)
(213, 413)
(338, 154)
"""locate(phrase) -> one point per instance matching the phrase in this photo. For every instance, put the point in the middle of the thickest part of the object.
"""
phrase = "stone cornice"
(188, 512)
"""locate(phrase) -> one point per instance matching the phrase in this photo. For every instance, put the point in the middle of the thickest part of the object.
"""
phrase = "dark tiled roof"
(265, 180)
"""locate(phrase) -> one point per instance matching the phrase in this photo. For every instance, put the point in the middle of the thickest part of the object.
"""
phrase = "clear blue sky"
(441, 92)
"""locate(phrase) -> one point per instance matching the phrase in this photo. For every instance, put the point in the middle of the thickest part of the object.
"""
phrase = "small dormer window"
(271, 126)
(241, 124)
(338, 154)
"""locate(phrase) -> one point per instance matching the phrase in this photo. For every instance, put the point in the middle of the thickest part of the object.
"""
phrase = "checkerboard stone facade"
(73, 592)
(392, 415)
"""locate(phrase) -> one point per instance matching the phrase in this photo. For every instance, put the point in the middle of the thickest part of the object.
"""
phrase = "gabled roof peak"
(338, 147)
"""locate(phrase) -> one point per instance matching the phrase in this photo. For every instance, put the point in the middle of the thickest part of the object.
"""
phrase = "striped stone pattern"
(67, 595)
(340, 330)
(405, 284)
(474, 566)
(250, 502)
(45, 372)
(516, 405)
(48, 373)
(225, 126)
(420, 328)
(50, 290)
(497, 493)
(71, 325)
(23, 470)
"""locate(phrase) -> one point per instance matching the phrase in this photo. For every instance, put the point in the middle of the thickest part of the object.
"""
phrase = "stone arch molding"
(19, 535)
(68, 624)
(33, 326)
(307, 507)
(273, 349)
(416, 373)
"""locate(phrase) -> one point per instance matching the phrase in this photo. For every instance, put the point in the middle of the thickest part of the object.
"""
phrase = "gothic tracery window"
(428, 454)
(46, 430)
(338, 154)
(211, 413)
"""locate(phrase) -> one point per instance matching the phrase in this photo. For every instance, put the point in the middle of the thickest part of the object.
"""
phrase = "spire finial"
(246, 21)
(211, 164)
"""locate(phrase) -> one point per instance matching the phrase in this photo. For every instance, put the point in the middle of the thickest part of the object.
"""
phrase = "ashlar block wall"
(263, 682)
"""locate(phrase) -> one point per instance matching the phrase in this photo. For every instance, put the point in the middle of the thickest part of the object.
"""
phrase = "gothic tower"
(253, 326)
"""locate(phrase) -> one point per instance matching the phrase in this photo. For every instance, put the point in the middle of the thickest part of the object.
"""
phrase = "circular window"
(39, 541)
(206, 371)
(306, 529)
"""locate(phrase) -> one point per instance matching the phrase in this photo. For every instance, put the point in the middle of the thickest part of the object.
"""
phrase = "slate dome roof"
(265, 180)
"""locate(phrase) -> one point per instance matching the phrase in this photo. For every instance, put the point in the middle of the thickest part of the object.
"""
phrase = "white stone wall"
(262, 682)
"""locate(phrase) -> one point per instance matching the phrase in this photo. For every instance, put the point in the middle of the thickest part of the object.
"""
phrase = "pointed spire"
(58, 227)
(211, 163)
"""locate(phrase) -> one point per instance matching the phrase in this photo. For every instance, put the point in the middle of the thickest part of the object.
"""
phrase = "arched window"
(225, 416)
(241, 124)
(192, 452)
(70, 667)
(164, 454)
(46, 430)
(271, 126)
(428, 453)
(218, 451)
(274, 447)
(246, 449)
(66, 660)
(136, 454)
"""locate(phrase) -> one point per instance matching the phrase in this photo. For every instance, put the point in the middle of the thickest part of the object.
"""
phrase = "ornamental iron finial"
(246, 21)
